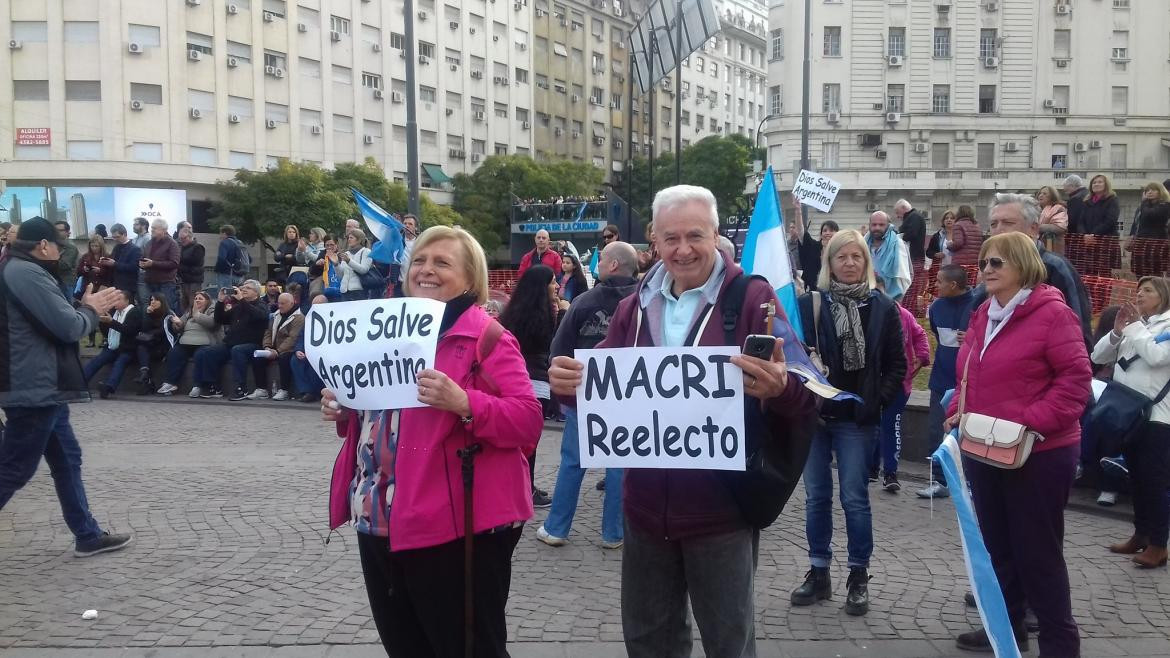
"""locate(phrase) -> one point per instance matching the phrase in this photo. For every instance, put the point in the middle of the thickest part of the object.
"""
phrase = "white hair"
(1029, 207)
(680, 195)
(254, 285)
(1074, 180)
(160, 223)
(902, 204)
(727, 246)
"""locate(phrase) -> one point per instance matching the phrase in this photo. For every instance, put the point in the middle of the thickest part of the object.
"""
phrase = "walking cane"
(467, 468)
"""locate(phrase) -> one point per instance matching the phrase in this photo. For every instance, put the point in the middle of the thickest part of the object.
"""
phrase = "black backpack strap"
(1162, 393)
(733, 305)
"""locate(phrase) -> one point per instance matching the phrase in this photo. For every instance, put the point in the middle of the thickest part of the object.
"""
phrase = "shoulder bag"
(993, 441)
(1120, 412)
(814, 354)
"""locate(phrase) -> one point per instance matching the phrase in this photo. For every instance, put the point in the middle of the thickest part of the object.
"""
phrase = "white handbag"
(993, 441)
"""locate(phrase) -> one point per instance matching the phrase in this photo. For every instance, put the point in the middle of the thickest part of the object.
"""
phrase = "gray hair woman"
(355, 261)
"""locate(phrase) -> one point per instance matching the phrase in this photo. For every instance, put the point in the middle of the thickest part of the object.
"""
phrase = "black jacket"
(126, 257)
(1076, 209)
(191, 263)
(586, 322)
(1099, 218)
(1151, 220)
(913, 232)
(885, 358)
(245, 322)
(128, 329)
(808, 251)
(933, 248)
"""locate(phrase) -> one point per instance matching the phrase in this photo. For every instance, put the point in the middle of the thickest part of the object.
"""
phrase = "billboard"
(85, 208)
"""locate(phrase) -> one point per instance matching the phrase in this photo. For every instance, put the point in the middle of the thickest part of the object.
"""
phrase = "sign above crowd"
(369, 352)
(816, 190)
(558, 227)
(661, 407)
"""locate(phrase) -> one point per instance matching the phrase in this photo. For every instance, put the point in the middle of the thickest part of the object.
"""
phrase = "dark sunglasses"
(995, 263)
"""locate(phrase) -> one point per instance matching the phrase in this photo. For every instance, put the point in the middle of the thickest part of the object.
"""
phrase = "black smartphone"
(759, 346)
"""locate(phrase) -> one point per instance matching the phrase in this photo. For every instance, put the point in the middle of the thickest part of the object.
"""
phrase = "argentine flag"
(765, 252)
(383, 226)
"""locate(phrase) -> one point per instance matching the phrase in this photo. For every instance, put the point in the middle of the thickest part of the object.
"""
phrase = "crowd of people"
(1018, 347)
(561, 208)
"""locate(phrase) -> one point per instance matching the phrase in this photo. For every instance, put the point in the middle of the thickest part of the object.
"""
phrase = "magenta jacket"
(1035, 371)
(427, 506)
(915, 345)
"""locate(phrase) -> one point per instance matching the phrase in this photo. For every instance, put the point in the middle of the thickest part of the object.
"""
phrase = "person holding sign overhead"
(397, 477)
(687, 532)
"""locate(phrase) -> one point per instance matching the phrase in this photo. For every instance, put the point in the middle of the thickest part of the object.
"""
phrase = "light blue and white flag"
(383, 226)
(980, 572)
(765, 251)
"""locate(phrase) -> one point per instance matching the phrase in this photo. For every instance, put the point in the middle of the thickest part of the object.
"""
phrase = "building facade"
(948, 101)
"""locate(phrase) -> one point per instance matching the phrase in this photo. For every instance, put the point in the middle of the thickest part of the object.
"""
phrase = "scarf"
(454, 309)
(886, 261)
(997, 315)
(847, 322)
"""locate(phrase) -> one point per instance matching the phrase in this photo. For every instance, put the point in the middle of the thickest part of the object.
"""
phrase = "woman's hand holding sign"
(331, 410)
(436, 389)
(763, 379)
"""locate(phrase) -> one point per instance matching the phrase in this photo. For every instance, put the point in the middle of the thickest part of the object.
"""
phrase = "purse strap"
(963, 389)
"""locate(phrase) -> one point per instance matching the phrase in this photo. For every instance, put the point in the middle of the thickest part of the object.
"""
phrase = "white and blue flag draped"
(765, 251)
(385, 227)
(581, 211)
(802, 366)
(980, 572)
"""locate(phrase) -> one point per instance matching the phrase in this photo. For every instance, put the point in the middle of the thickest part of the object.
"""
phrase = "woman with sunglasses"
(1024, 360)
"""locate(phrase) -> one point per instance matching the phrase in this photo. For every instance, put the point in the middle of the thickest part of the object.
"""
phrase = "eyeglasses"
(995, 263)
(608, 236)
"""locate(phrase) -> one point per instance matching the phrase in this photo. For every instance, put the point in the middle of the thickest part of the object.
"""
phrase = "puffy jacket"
(681, 503)
(282, 335)
(1035, 371)
(39, 334)
(1100, 217)
(1054, 215)
(1151, 220)
(1149, 361)
(191, 263)
(914, 345)
(428, 489)
(351, 270)
(245, 322)
(968, 239)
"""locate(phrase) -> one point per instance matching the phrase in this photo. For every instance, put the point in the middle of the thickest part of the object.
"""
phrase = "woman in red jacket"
(966, 238)
(1025, 361)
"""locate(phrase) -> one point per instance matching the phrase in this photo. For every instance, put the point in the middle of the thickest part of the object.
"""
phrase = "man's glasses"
(995, 263)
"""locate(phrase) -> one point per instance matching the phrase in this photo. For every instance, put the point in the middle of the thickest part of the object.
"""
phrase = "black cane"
(467, 459)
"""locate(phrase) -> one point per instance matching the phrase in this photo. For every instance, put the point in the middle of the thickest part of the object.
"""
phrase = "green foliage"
(721, 164)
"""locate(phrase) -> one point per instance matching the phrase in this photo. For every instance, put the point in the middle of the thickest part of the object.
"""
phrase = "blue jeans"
(241, 361)
(33, 432)
(305, 379)
(225, 280)
(888, 447)
(177, 360)
(208, 361)
(852, 444)
(105, 358)
(568, 489)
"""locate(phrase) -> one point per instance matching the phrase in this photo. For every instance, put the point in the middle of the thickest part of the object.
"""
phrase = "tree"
(261, 203)
(720, 164)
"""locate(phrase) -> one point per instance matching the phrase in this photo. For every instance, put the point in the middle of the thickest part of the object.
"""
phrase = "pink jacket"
(1035, 371)
(916, 346)
(427, 507)
(1055, 215)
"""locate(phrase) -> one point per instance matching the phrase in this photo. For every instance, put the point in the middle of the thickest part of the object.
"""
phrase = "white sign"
(816, 190)
(130, 203)
(661, 407)
(369, 352)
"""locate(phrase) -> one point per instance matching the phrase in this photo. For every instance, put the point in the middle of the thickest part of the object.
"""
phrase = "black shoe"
(240, 394)
(969, 599)
(310, 398)
(890, 483)
(211, 392)
(104, 391)
(540, 499)
(817, 586)
(600, 485)
(977, 640)
(857, 598)
(143, 375)
(107, 543)
(873, 475)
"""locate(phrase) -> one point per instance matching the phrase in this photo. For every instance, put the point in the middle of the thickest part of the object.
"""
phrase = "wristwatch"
(466, 420)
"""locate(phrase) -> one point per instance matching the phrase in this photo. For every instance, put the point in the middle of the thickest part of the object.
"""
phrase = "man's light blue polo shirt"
(679, 312)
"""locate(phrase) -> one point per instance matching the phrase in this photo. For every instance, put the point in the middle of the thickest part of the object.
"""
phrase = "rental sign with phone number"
(661, 407)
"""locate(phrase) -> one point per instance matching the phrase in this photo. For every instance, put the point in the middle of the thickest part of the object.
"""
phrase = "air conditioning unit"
(576, 134)
(377, 47)
(614, 105)
(496, 80)
(1079, 147)
(194, 3)
(540, 13)
(1095, 144)
(880, 154)
(233, 9)
(367, 139)
(334, 36)
(269, 70)
(454, 25)
(471, 30)
(454, 67)
(893, 117)
(232, 62)
(621, 45)
(871, 207)
(524, 125)
(990, 62)
(894, 60)
(921, 147)
(270, 124)
(943, 6)
(598, 141)
(1011, 147)
(1049, 103)
(424, 60)
(480, 116)
(522, 46)
(233, 118)
(13, 44)
(194, 55)
(194, 113)
(991, 6)
(1119, 121)
(495, 38)
(558, 131)
(593, 100)
(137, 105)
(301, 27)
(576, 98)
(476, 73)
(134, 48)
(315, 130)
(449, 111)
(269, 17)
(1062, 63)
(517, 6)
(378, 94)
(422, 15)
(617, 144)
(476, 157)
(833, 117)
(396, 97)
(1063, 10)
(279, 73)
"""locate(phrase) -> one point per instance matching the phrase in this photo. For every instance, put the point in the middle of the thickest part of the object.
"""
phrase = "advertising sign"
(33, 137)
(85, 208)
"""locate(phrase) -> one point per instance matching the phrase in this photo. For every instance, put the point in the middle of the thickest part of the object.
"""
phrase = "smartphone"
(759, 346)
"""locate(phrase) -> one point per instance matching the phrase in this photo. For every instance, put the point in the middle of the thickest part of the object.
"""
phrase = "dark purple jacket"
(675, 504)
(165, 254)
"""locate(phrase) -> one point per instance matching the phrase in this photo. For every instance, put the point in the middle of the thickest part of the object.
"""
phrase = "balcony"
(969, 180)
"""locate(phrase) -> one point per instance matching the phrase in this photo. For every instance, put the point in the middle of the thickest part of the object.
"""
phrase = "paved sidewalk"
(227, 502)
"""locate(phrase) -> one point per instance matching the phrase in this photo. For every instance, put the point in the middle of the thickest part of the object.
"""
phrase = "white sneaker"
(612, 545)
(1107, 499)
(543, 536)
(934, 490)
(280, 395)
(167, 389)
(195, 392)
(258, 394)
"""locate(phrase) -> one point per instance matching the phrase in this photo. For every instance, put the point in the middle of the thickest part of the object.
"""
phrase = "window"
(426, 49)
(699, 65)
(1118, 156)
(896, 42)
(940, 155)
(940, 99)
(727, 101)
(310, 118)
(149, 94)
(30, 90)
(521, 75)
(81, 32)
(559, 49)
(199, 42)
(521, 114)
(1059, 156)
(987, 99)
(714, 125)
(310, 17)
(371, 36)
(777, 44)
(371, 80)
(342, 75)
(83, 90)
(26, 152)
(310, 68)
(1121, 4)
(196, 155)
(598, 62)
(240, 160)
(597, 96)
(832, 46)
(1120, 44)
(542, 81)
(477, 104)
(147, 151)
(685, 118)
(339, 24)
(147, 36)
(204, 101)
(985, 155)
(426, 94)
(241, 51)
(1120, 101)
(453, 57)
(428, 138)
(276, 112)
(342, 123)
(895, 98)
(1060, 96)
(775, 93)
(1062, 44)
(500, 110)
(397, 41)
(616, 101)
(275, 7)
(942, 42)
(241, 107)
(274, 58)
(500, 149)
(714, 69)
(454, 101)
(830, 155)
(830, 97)
(30, 31)
(988, 43)
(739, 107)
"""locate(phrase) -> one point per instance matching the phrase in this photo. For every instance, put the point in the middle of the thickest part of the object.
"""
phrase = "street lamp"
(761, 127)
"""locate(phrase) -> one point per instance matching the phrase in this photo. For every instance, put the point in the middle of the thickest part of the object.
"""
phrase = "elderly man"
(160, 263)
(39, 334)
(685, 533)
(541, 255)
(1075, 193)
(246, 319)
(279, 345)
(913, 230)
(891, 256)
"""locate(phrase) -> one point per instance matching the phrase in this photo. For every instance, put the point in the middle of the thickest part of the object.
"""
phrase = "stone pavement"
(227, 502)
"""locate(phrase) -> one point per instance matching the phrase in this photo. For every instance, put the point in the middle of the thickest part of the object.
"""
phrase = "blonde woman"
(1148, 235)
(286, 254)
